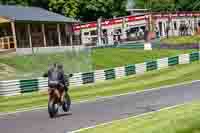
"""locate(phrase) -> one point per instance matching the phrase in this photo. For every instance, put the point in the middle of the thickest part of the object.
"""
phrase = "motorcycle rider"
(62, 81)
(57, 79)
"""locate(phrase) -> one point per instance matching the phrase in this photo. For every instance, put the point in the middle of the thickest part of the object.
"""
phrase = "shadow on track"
(62, 115)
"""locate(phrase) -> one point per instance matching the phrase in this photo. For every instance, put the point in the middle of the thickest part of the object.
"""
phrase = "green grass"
(111, 57)
(183, 119)
(34, 66)
(181, 40)
(173, 75)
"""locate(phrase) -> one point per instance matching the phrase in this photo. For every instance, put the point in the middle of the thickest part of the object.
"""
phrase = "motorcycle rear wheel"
(67, 103)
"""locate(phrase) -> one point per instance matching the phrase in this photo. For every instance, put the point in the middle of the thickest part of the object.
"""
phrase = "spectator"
(157, 32)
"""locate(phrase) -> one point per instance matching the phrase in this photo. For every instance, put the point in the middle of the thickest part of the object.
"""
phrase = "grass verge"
(116, 57)
(35, 65)
(172, 75)
(179, 40)
(183, 119)
(13, 67)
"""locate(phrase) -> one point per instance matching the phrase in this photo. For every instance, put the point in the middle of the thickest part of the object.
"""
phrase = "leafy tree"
(14, 2)
(39, 3)
(187, 5)
(89, 10)
(93, 9)
(169, 5)
(156, 5)
(66, 7)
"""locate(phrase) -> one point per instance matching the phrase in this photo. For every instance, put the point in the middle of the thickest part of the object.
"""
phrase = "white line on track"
(137, 116)
(99, 98)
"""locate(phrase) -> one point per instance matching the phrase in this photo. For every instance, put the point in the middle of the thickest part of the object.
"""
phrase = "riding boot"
(62, 100)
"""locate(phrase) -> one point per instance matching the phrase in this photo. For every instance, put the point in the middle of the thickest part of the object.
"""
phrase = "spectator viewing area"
(132, 28)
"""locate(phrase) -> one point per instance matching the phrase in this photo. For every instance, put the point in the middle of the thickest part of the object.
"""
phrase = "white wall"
(173, 31)
(26, 51)
(164, 21)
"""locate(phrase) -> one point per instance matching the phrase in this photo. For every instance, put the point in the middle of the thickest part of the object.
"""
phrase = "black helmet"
(54, 64)
(60, 66)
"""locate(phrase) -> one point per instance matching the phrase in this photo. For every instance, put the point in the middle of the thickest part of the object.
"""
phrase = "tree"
(169, 5)
(70, 8)
(14, 2)
(39, 3)
(93, 9)
(156, 5)
(66, 7)
(188, 5)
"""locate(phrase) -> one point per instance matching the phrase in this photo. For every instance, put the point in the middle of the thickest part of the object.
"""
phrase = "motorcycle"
(54, 102)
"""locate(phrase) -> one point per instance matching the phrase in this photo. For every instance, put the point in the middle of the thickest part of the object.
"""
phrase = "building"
(132, 28)
(27, 29)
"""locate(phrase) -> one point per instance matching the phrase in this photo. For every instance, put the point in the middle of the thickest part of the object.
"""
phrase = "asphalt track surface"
(100, 111)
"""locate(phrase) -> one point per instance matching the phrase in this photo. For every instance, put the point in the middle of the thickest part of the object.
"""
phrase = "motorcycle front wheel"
(52, 108)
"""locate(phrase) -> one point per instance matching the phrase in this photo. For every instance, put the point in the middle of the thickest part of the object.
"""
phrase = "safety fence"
(15, 87)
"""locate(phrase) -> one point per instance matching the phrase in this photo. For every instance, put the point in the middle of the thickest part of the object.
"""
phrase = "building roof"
(20, 13)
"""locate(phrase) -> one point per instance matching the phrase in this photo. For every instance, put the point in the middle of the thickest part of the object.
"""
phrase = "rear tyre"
(67, 103)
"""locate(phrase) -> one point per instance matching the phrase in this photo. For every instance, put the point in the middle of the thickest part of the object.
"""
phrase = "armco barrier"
(15, 87)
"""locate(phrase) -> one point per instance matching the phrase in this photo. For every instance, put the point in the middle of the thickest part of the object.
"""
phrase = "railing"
(7, 42)
(15, 87)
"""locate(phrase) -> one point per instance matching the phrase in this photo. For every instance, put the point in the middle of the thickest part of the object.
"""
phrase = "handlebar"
(68, 76)
(71, 75)
(45, 75)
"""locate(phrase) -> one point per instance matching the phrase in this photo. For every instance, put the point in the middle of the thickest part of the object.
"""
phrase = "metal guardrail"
(15, 87)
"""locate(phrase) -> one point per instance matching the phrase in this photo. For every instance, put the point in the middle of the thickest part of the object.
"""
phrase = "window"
(182, 22)
(199, 23)
(117, 30)
(143, 28)
(94, 32)
(86, 33)
(135, 29)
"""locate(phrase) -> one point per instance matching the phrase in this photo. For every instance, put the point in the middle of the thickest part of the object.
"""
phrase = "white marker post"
(99, 41)
(147, 46)
(147, 43)
(124, 36)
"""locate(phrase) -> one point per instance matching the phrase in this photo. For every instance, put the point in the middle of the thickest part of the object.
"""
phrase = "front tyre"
(52, 109)
(67, 103)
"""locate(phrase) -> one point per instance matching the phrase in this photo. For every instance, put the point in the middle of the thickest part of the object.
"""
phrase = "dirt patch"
(7, 55)
(6, 72)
